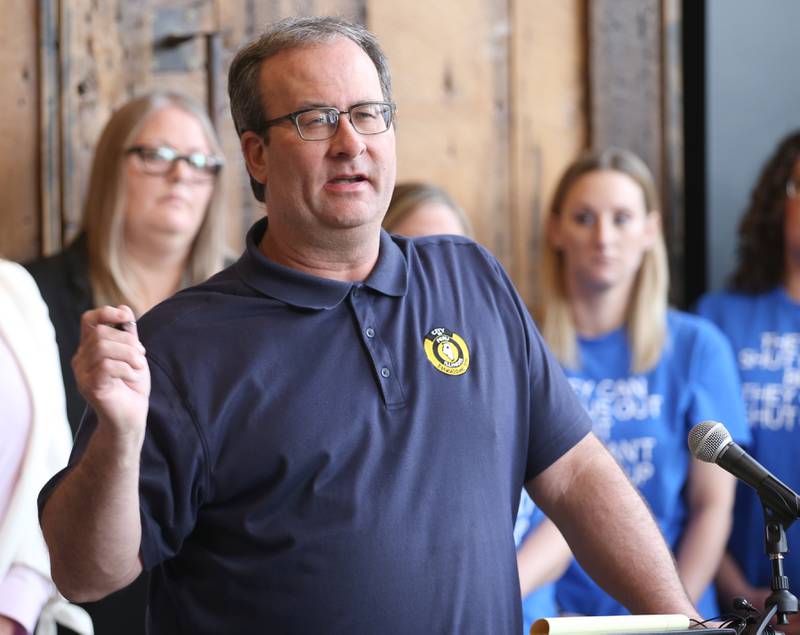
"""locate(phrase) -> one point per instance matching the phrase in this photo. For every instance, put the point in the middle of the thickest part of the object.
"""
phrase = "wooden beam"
(49, 17)
(548, 118)
(636, 99)
(625, 77)
(673, 182)
(450, 75)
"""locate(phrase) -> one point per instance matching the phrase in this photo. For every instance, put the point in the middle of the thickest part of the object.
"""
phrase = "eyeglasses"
(793, 188)
(318, 124)
(160, 160)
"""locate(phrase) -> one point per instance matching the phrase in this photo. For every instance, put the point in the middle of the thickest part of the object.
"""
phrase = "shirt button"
(385, 372)
(370, 331)
(355, 292)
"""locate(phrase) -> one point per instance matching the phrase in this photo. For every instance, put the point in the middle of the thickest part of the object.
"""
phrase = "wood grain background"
(494, 98)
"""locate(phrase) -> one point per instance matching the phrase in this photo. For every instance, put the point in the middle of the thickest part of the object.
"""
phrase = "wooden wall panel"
(112, 51)
(494, 98)
(117, 49)
(450, 74)
(49, 177)
(19, 126)
(673, 182)
(548, 118)
(636, 97)
(625, 77)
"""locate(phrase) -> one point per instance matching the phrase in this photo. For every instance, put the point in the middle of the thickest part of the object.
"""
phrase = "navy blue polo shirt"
(324, 456)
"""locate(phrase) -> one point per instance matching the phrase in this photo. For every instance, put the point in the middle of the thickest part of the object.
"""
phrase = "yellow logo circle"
(446, 351)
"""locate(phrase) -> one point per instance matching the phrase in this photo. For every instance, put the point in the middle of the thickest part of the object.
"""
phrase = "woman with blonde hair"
(645, 373)
(153, 220)
(424, 209)
(153, 223)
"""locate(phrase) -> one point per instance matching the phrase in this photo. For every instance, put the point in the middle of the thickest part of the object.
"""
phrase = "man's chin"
(353, 219)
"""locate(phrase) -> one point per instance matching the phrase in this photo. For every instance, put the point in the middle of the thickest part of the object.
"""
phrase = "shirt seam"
(207, 468)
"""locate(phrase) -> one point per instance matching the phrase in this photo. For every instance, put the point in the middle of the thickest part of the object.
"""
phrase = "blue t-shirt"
(334, 457)
(764, 330)
(540, 602)
(644, 420)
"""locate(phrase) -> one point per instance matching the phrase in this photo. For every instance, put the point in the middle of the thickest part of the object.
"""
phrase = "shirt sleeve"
(557, 418)
(174, 477)
(23, 593)
(173, 474)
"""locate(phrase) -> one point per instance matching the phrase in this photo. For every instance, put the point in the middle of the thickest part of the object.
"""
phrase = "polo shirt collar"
(389, 276)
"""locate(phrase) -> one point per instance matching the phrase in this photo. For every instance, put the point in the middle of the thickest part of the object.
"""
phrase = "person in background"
(153, 220)
(542, 557)
(34, 444)
(645, 373)
(760, 315)
(153, 223)
(423, 209)
(331, 434)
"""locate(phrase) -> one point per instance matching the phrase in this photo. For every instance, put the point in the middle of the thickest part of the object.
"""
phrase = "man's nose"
(347, 141)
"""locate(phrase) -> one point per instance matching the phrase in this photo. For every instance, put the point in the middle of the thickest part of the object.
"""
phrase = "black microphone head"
(707, 439)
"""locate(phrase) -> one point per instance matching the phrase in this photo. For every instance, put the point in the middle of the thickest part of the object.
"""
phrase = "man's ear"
(254, 150)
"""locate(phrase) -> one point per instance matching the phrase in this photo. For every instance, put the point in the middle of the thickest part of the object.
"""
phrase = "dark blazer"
(63, 281)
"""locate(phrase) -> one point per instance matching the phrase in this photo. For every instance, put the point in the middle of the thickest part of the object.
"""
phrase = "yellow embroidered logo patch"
(446, 351)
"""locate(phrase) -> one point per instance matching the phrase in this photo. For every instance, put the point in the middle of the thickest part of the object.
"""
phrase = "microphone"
(711, 442)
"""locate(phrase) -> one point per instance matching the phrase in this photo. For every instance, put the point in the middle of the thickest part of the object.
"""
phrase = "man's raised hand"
(111, 370)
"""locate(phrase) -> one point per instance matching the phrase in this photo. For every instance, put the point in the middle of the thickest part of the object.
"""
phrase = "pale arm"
(542, 557)
(610, 530)
(711, 492)
(91, 521)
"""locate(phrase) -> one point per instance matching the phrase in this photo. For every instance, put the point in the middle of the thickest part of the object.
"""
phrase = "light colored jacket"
(26, 328)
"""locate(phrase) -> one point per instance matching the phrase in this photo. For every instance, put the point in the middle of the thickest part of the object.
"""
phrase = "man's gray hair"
(244, 88)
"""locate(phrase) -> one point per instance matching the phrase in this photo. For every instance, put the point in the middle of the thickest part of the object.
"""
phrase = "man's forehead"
(302, 74)
(336, 50)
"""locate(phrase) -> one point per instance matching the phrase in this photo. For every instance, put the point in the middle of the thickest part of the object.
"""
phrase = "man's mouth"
(355, 178)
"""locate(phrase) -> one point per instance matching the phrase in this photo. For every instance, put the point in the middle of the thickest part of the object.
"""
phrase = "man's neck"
(347, 255)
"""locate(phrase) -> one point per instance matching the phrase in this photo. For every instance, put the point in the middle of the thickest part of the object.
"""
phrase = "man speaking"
(331, 435)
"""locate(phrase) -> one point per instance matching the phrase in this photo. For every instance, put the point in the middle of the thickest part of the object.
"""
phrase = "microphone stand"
(780, 602)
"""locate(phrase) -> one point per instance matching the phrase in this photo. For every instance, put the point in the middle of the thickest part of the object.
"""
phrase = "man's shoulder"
(451, 251)
(440, 242)
(210, 302)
